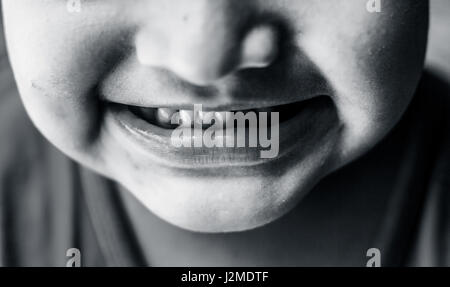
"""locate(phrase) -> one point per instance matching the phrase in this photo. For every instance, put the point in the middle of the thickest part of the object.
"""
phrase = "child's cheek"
(373, 63)
(59, 61)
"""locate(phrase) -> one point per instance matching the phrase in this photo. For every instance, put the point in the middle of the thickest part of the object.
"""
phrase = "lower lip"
(155, 142)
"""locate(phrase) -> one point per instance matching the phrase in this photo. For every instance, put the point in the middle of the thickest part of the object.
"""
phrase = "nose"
(203, 41)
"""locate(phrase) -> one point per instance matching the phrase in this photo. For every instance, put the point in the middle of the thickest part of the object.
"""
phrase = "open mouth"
(299, 126)
(170, 118)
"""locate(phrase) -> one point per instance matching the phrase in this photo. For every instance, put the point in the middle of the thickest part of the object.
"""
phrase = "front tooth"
(186, 117)
(164, 116)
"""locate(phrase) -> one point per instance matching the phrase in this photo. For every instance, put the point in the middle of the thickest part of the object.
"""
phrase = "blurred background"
(438, 57)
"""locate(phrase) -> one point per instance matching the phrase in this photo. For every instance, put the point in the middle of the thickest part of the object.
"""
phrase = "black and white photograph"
(226, 134)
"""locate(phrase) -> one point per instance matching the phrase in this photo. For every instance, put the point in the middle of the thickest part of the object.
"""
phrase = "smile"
(190, 138)
(170, 118)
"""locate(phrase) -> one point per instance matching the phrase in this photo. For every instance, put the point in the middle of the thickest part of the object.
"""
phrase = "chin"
(217, 205)
(232, 202)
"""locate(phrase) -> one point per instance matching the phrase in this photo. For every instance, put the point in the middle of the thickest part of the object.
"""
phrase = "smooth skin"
(136, 52)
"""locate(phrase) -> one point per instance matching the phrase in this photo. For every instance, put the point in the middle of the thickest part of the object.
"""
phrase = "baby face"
(100, 78)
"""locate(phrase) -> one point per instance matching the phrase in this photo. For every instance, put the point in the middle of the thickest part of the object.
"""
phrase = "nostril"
(260, 47)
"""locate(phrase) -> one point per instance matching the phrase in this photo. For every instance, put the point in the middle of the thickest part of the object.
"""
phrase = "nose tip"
(214, 56)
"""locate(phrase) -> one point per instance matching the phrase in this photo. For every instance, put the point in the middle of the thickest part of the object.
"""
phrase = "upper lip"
(285, 82)
(177, 95)
(213, 108)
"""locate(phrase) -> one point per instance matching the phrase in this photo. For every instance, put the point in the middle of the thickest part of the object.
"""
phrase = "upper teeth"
(168, 117)
(186, 117)
(164, 116)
